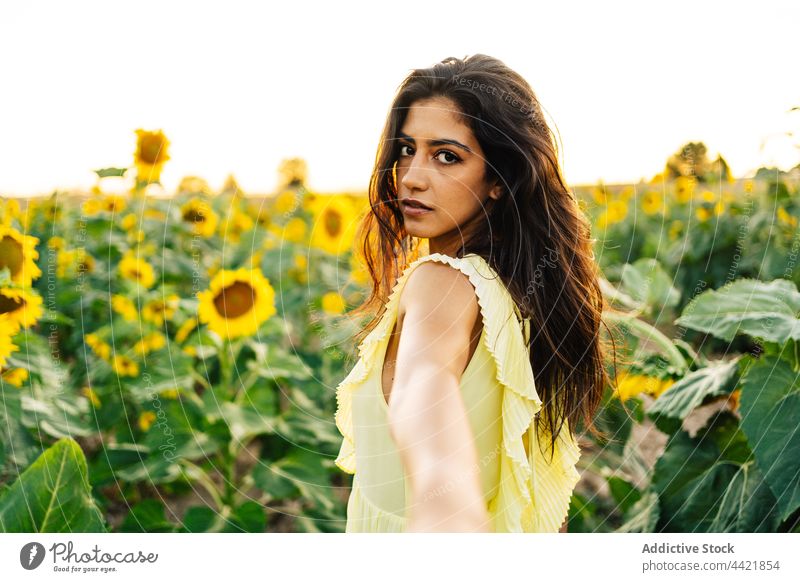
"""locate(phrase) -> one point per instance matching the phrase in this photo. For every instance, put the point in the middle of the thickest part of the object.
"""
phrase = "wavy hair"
(535, 236)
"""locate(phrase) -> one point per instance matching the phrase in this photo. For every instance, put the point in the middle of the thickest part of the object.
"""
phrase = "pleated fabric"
(525, 490)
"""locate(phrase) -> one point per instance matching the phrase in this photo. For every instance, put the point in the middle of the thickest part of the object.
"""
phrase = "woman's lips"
(413, 209)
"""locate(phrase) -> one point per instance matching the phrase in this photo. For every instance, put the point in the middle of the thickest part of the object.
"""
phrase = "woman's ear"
(496, 191)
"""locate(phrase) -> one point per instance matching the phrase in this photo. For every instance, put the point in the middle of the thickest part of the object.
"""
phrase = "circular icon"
(31, 555)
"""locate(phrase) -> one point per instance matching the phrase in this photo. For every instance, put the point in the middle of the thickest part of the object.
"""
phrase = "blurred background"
(180, 187)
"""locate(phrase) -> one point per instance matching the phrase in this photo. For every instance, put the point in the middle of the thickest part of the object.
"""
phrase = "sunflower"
(335, 223)
(135, 269)
(157, 310)
(169, 393)
(71, 263)
(150, 343)
(684, 188)
(286, 202)
(237, 302)
(15, 376)
(310, 201)
(707, 196)
(600, 195)
(293, 172)
(185, 329)
(91, 395)
(114, 203)
(261, 213)
(129, 222)
(91, 206)
(786, 218)
(99, 347)
(18, 254)
(702, 213)
(616, 212)
(333, 303)
(652, 202)
(125, 307)
(295, 230)
(8, 329)
(146, 420)
(124, 366)
(151, 154)
(299, 270)
(632, 384)
(235, 225)
(56, 243)
(675, 229)
(21, 306)
(200, 216)
(9, 210)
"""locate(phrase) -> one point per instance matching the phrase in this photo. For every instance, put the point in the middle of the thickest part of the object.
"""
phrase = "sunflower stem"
(230, 473)
(204, 480)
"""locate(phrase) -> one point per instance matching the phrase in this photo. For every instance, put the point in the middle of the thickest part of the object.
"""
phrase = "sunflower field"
(702, 434)
(168, 364)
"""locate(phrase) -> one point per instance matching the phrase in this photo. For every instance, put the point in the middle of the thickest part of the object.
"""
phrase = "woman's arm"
(427, 416)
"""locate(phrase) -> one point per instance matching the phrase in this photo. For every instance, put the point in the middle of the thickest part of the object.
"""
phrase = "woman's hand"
(427, 416)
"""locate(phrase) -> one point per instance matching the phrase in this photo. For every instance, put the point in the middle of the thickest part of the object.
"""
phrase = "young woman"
(485, 354)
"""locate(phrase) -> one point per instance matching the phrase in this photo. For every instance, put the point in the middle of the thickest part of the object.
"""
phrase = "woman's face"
(442, 165)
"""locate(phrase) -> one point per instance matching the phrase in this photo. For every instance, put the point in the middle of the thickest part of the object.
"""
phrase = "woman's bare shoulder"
(435, 288)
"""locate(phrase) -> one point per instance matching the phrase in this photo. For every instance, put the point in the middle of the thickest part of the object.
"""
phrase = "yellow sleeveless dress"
(524, 491)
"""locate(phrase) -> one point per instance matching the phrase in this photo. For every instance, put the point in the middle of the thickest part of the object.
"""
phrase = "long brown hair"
(536, 238)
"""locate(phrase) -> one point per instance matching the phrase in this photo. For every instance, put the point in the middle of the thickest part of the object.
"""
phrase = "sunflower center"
(150, 149)
(194, 216)
(333, 222)
(10, 304)
(235, 300)
(11, 255)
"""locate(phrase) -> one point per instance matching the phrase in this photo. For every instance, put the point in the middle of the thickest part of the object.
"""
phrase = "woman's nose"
(415, 176)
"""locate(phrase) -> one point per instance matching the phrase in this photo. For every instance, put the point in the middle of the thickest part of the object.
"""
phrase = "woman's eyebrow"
(435, 142)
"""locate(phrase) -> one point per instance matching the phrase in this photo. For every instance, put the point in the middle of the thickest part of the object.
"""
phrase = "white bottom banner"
(389, 557)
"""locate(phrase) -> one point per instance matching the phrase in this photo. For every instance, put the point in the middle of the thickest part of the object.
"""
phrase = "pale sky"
(238, 86)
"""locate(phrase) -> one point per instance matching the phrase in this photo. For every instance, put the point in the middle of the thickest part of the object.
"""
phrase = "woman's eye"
(402, 151)
(449, 157)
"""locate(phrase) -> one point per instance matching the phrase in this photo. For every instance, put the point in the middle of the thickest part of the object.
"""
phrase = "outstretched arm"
(427, 416)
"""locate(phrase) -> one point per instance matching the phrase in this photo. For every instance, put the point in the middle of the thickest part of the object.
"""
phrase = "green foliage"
(52, 495)
(694, 388)
(739, 472)
(237, 435)
(770, 409)
(766, 311)
(710, 483)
